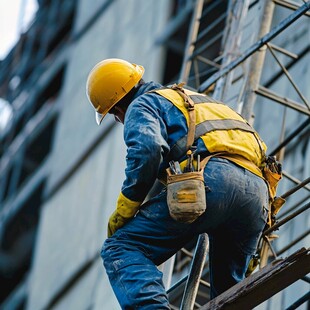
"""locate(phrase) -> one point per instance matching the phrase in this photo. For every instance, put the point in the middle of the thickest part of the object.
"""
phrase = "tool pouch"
(186, 196)
(272, 172)
(272, 176)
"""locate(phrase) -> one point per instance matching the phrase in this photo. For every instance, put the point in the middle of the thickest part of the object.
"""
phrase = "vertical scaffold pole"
(256, 64)
(197, 264)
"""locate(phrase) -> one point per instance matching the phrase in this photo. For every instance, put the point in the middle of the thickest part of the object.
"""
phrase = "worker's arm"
(146, 138)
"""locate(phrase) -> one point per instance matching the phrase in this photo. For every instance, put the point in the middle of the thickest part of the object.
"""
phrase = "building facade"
(61, 174)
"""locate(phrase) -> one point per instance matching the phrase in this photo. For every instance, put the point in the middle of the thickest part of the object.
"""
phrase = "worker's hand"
(116, 221)
(125, 211)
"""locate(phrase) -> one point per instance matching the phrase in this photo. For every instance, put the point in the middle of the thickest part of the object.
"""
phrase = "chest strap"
(177, 150)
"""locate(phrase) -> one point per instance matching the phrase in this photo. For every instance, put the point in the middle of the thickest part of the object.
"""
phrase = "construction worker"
(142, 234)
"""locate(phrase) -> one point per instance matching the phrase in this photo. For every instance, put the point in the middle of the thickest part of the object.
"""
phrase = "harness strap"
(177, 150)
(197, 98)
(190, 138)
(203, 99)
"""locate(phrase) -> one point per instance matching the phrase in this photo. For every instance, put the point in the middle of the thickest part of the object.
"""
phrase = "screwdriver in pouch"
(175, 167)
(188, 167)
(172, 167)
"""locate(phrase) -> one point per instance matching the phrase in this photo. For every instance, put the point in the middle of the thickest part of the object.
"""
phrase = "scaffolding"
(213, 61)
(218, 76)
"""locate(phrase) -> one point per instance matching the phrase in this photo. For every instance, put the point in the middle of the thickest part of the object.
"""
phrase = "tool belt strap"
(191, 112)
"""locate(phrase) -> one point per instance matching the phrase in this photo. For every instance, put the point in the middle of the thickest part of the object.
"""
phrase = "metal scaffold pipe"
(285, 220)
(196, 268)
(191, 41)
(291, 136)
(256, 65)
(255, 47)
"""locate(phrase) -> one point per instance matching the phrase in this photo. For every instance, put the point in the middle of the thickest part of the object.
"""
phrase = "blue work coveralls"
(236, 211)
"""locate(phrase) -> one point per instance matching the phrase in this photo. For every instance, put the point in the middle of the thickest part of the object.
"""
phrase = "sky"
(15, 17)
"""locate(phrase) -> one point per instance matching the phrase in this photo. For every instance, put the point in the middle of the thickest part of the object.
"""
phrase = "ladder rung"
(204, 283)
(283, 51)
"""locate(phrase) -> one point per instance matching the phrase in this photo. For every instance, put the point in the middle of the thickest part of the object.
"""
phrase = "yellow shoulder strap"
(191, 112)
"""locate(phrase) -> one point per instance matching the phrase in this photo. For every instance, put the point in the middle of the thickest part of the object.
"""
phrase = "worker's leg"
(237, 204)
(228, 263)
(234, 219)
(130, 256)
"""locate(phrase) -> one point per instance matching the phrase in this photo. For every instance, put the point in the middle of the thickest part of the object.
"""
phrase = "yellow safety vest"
(222, 130)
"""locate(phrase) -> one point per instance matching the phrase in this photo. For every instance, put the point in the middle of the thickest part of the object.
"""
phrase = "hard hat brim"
(99, 118)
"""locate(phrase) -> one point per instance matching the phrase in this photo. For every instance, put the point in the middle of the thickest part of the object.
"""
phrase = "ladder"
(233, 75)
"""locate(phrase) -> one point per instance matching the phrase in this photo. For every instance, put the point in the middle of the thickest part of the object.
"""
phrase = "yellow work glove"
(125, 211)
(116, 221)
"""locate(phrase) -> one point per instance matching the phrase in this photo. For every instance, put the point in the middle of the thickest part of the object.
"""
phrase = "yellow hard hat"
(109, 81)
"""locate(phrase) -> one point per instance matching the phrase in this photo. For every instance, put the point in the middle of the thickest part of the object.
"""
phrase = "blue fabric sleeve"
(145, 135)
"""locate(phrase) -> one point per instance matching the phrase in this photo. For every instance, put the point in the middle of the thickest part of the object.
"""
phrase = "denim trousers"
(237, 202)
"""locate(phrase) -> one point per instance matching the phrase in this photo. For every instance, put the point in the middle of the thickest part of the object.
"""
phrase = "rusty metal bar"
(256, 46)
(296, 188)
(295, 206)
(283, 51)
(265, 92)
(288, 218)
(302, 97)
(295, 180)
(291, 136)
(302, 236)
(185, 70)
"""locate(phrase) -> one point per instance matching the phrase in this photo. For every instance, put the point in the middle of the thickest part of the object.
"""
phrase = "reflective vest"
(221, 129)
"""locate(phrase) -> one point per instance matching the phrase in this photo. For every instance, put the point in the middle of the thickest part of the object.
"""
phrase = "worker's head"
(110, 81)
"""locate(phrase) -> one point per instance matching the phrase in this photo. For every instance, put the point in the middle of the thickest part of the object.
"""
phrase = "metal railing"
(191, 64)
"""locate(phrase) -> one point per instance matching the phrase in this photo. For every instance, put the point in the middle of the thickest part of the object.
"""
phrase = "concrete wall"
(67, 271)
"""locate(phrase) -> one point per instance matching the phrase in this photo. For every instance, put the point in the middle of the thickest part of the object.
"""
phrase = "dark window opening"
(61, 34)
(18, 242)
(172, 67)
(50, 92)
(37, 151)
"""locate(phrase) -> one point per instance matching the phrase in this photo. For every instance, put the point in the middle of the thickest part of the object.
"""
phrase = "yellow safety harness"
(225, 134)
(221, 129)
